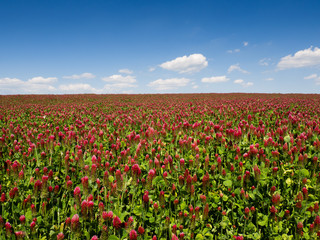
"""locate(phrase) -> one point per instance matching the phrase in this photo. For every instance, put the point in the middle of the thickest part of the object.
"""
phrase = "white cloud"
(39, 88)
(315, 77)
(238, 81)
(194, 85)
(236, 67)
(17, 86)
(243, 83)
(269, 79)
(78, 88)
(126, 71)
(109, 87)
(127, 91)
(151, 69)
(234, 51)
(265, 61)
(169, 84)
(304, 58)
(8, 82)
(248, 84)
(80, 76)
(245, 44)
(42, 80)
(186, 64)
(117, 82)
(312, 76)
(120, 79)
(87, 88)
(215, 79)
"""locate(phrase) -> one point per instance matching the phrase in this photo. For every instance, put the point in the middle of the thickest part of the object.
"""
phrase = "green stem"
(125, 185)
(58, 212)
(299, 179)
(244, 230)
(143, 216)
(36, 151)
(105, 197)
(160, 231)
(132, 201)
(221, 217)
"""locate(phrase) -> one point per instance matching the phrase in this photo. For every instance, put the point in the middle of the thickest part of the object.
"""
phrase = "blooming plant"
(193, 166)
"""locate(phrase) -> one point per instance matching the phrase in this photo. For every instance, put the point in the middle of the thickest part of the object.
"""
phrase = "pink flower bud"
(133, 235)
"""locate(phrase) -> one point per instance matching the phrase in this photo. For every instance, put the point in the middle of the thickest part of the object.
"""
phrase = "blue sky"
(61, 47)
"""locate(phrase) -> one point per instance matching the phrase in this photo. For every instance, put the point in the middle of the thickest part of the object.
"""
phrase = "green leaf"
(205, 230)
(251, 227)
(113, 237)
(224, 224)
(227, 183)
(263, 182)
(149, 214)
(288, 181)
(87, 234)
(199, 236)
(221, 151)
(287, 138)
(138, 211)
(156, 180)
(73, 211)
(304, 172)
(281, 214)
(123, 215)
(183, 205)
(263, 221)
(28, 214)
(216, 199)
(51, 233)
(209, 235)
(39, 220)
(257, 193)
(286, 237)
(111, 178)
(237, 191)
(280, 226)
(56, 148)
(256, 236)
(129, 181)
(252, 196)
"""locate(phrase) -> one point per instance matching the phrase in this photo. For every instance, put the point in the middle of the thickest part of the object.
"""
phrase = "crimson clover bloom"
(22, 219)
(117, 223)
(60, 236)
(141, 230)
(20, 234)
(75, 224)
(174, 237)
(133, 235)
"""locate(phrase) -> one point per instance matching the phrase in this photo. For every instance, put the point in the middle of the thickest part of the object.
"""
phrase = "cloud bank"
(186, 64)
(304, 58)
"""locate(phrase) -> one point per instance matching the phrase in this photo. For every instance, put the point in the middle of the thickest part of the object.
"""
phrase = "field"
(180, 166)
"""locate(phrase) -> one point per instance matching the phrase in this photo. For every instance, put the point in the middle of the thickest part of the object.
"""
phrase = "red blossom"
(117, 223)
(133, 235)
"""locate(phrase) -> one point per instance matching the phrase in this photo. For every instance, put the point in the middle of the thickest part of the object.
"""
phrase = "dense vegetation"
(189, 166)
